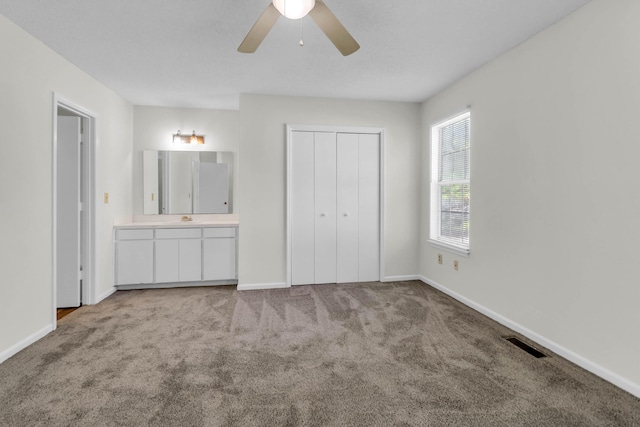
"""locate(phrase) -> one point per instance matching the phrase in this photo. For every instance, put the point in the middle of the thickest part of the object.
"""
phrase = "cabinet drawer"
(220, 232)
(139, 234)
(178, 233)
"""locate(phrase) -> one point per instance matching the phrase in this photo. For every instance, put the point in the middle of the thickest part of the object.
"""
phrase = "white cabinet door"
(167, 261)
(302, 208)
(348, 207)
(178, 260)
(325, 207)
(219, 258)
(135, 262)
(190, 260)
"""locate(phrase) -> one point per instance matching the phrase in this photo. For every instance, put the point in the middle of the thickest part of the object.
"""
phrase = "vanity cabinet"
(179, 256)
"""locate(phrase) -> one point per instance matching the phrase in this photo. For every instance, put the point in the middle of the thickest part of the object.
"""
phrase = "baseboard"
(259, 286)
(105, 295)
(573, 357)
(401, 278)
(280, 285)
(170, 285)
(14, 349)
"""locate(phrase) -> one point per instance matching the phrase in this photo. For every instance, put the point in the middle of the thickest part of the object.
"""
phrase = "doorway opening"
(73, 210)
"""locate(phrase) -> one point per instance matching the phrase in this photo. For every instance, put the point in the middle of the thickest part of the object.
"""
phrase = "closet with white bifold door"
(334, 206)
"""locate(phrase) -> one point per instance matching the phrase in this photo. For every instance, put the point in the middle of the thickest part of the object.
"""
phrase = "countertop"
(174, 221)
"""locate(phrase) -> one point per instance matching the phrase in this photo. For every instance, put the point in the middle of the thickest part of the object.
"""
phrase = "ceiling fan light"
(294, 9)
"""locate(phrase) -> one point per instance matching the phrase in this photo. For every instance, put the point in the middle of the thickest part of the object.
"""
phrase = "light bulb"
(294, 9)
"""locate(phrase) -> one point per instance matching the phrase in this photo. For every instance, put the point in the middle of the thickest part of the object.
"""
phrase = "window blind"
(452, 201)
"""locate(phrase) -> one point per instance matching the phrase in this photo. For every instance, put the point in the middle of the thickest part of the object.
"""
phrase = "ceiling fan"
(296, 9)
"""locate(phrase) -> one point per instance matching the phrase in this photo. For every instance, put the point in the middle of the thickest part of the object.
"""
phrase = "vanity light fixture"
(192, 139)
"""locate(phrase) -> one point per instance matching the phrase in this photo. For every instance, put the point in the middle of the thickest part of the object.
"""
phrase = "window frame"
(435, 208)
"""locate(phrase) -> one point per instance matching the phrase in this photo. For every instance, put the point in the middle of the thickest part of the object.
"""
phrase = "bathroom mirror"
(186, 182)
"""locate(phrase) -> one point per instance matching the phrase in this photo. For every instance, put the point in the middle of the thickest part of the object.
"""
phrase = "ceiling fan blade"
(336, 32)
(259, 30)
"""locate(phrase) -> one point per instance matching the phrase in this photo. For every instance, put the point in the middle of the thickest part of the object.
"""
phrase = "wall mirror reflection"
(186, 182)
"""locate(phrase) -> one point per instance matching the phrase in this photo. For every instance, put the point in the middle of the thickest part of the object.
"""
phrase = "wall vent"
(526, 347)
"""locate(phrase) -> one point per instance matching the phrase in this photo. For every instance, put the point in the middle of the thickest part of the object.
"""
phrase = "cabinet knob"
(346, 214)
(323, 214)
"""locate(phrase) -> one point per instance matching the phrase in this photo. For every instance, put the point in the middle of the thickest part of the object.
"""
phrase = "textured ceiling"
(182, 53)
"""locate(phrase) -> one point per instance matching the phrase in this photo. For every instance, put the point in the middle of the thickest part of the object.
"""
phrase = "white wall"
(262, 191)
(555, 205)
(154, 127)
(31, 72)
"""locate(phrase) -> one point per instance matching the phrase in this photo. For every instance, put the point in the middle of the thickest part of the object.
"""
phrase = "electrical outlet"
(439, 258)
(106, 198)
(455, 265)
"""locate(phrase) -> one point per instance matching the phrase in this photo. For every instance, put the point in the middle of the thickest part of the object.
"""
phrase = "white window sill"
(464, 252)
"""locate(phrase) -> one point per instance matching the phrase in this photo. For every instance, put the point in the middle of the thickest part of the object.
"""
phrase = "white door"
(335, 207)
(348, 207)
(302, 208)
(325, 208)
(68, 248)
(358, 228)
(369, 207)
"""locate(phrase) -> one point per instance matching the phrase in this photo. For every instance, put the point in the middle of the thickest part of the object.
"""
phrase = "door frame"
(88, 174)
(337, 129)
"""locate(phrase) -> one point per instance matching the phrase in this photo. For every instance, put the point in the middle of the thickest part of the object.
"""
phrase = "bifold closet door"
(358, 216)
(348, 207)
(335, 207)
(313, 208)
(302, 208)
(368, 207)
(325, 207)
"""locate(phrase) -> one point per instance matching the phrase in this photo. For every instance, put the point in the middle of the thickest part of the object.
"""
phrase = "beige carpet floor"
(372, 354)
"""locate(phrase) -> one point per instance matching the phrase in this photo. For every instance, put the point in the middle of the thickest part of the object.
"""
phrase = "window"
(450, 183)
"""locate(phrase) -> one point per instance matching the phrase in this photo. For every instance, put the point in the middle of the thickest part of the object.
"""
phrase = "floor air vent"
(526, 347)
